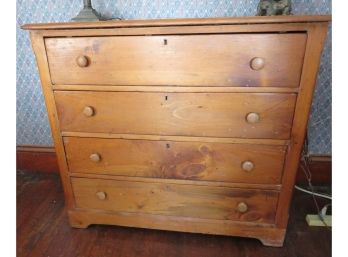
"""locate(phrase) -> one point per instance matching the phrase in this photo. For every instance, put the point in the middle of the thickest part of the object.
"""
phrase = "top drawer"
(241, 60)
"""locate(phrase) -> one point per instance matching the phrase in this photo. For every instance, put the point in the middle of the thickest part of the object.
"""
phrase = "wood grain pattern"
(43, 230)
(316, 39)
(174, 89)
(175, 200)
(177, 30)
(175, 22)
(38, 45)
(44, 160)
(266, 233)
(177, 160)
(275, 187)
(186, 114)
(194, 60)
(224, 140)
(150, 71)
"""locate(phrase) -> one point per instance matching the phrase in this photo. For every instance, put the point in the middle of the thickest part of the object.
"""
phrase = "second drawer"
(239, 163)
(245, 115)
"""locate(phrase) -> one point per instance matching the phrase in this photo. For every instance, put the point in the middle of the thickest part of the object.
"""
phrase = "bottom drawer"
(206, 202)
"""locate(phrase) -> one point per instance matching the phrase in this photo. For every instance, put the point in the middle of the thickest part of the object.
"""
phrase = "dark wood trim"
(33, 158)
(35, 148)
(37, 159)
(320, 158)
(321, 169)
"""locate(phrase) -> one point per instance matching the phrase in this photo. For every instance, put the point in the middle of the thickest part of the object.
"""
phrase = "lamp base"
(88, 14)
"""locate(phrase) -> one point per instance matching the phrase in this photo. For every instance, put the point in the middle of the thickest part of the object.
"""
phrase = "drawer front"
(191, 60)
(176, 160)
(187, 114)
(208, 202)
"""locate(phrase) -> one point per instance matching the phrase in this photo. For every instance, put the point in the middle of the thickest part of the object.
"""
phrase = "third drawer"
(202, 161)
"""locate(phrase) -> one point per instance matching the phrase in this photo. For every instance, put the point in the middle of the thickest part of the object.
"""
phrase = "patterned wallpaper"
(32, 122)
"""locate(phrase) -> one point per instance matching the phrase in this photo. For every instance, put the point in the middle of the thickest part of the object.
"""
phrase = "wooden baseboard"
(37, 159)
(321, 170)
(44, 159)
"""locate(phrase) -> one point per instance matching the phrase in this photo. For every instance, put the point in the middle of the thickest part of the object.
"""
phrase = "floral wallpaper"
(32, 122)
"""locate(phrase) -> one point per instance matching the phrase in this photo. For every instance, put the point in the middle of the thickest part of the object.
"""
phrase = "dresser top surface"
(179, 22)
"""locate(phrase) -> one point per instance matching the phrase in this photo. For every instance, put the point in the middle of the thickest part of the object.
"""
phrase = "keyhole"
(165, 42)
(166, 97)
(168, 146)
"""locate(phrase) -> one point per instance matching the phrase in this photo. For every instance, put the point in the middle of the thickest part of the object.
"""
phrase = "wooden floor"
(43, 230)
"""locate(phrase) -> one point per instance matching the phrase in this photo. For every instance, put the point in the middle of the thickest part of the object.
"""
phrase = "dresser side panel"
(315, 43)
(38, 45)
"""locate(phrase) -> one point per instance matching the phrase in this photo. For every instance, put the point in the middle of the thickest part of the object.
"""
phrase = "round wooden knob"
(242, 207)
(248, 166)
(253, 117)
(82, 61)
(101, 195)
(257, 63)
(95, 157)
(88, 111)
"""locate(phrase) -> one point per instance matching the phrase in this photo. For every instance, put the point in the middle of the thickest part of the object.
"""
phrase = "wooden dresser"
(190, 125)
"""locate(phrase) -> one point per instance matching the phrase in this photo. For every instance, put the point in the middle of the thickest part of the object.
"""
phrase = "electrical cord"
(306, 170)
(324, 210)
(314, 193)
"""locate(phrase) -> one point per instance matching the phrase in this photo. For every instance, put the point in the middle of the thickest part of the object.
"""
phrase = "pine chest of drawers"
(191, 125)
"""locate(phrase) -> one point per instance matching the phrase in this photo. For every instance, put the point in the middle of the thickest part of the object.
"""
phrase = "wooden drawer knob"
(253, 117)
(248, 166)
(101, 195)
(95, 157)
(82, 61)
(242, 207)
(257, 63)
(88, 111)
